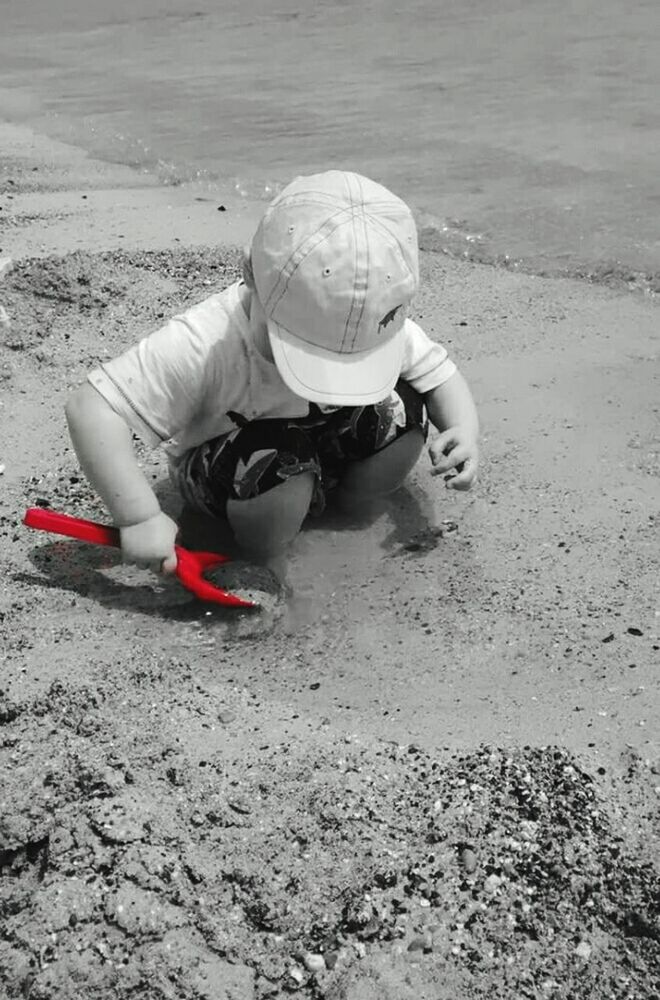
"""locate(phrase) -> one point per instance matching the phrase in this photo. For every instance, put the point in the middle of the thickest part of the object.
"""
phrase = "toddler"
(306, 379)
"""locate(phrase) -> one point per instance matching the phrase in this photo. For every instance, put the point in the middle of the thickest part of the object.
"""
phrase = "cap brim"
(337, 379)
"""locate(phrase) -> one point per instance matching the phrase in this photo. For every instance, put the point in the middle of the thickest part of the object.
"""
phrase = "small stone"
(331, 959)
(4, 320)
(528, 829)
(197, 819)
(226, 716)
(297, 976)
(2, 468)
(583, 950)
(492, 883)
(240, 804)
(420, 943)
(468, 859)
(314, 963)
(6, 264)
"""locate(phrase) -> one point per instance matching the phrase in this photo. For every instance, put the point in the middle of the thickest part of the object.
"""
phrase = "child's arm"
(102, 441)
(451, 409)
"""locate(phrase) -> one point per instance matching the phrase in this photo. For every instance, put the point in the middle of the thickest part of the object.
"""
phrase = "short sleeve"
(426, 364)
(157, 385)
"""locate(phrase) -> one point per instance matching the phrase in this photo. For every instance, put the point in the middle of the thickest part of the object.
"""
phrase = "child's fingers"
(465, 477)
(443, 443)
(443, 463)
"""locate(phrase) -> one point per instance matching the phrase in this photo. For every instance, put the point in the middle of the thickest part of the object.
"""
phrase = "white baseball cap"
(335, 265)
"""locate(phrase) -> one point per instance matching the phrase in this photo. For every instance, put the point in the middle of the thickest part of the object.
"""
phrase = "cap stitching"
(367, 261)
(355, 263)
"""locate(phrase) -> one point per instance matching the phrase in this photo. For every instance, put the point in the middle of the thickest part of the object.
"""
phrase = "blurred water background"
(519, 130)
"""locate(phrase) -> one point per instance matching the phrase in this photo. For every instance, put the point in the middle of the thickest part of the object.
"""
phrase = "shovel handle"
(73, 527)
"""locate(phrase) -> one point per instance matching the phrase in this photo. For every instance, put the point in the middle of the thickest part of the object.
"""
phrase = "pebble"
(468, 859)
(2, 469)
(314, 962)
(6, 264)
(528, 829)
(297, 975)
(492, 883)
(226, 716)
(423, 942)
(240, 804)
(4, 319)
(583, 950)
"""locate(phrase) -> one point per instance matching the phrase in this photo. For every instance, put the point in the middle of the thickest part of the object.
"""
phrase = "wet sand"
(195, 803)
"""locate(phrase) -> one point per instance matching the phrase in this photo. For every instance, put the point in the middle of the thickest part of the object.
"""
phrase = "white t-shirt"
(178, 385)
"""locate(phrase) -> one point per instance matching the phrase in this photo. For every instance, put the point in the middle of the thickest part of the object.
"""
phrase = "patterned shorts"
(261, 454)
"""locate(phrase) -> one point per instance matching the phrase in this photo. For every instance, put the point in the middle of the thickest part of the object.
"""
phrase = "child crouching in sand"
(304, 378)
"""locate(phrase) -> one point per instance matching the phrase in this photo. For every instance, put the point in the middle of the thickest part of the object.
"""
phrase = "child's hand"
(455, 454)
(151, 543)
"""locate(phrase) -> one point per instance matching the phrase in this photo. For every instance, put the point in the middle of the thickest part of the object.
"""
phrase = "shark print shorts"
(261, 454)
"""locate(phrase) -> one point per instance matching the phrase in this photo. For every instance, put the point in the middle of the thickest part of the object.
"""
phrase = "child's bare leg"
(380, 473)
(265, 525)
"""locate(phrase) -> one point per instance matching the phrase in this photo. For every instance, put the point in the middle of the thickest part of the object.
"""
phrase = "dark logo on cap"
(387, 318)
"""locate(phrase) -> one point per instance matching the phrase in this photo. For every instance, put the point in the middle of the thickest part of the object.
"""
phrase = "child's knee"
(267, 523)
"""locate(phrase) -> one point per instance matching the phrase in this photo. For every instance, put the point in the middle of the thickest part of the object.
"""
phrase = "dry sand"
(437, 775)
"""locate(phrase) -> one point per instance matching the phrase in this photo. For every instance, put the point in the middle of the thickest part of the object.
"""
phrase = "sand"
(437, 774)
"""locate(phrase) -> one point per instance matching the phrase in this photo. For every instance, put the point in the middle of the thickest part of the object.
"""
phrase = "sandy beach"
(436, 774)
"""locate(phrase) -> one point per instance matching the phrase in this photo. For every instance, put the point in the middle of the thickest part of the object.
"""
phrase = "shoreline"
(51, 190)
(56, 199)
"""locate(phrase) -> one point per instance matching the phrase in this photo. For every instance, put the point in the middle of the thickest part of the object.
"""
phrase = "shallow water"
(530, 130)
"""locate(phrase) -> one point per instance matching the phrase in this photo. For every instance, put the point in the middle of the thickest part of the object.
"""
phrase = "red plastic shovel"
(190, 566)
